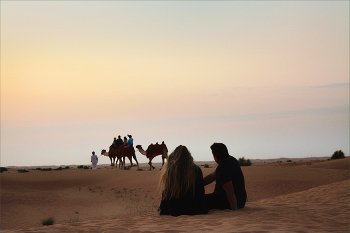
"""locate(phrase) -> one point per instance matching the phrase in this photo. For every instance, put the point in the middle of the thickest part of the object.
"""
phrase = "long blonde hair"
(179, 176)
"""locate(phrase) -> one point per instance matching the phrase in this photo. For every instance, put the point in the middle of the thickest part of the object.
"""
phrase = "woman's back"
(187, 204)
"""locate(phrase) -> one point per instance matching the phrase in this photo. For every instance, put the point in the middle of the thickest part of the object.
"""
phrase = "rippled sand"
(282, 197)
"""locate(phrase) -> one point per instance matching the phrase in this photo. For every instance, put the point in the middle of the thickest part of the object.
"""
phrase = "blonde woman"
(182, 186)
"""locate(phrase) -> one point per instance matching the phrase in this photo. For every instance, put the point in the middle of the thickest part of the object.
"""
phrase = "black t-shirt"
(187, 205)
(230, 170)
(118, 142)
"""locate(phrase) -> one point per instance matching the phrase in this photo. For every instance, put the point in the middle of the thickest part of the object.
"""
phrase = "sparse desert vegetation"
(48, 221)
(244, 162)
(338, 155)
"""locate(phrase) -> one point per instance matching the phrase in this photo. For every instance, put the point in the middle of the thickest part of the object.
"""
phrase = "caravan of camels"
(119, 150)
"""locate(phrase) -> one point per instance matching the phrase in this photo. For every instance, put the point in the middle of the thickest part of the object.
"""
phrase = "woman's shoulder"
(197, 169)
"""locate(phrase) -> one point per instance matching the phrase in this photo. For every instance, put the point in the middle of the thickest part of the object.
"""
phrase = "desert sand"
(282, 197)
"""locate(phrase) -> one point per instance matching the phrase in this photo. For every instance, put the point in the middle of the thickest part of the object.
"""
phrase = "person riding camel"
(114, 142)
(130, 141)
(117, 142)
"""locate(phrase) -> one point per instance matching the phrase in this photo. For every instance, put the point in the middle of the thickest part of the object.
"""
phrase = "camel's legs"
(130, 159)
(162, 163)
(110, 157)
(120, 162)
(150, 164)
(134, 156)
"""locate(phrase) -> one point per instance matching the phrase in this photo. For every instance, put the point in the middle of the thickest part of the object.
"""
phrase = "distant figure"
(182, 186)
(114, 142)
(229, 192)
(94, 160)
(118, 142)
(125, 141)
(130, 141)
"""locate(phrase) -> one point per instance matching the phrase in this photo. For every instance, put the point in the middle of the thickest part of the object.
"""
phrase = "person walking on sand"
(94, 160)
(182, 186)
(229, 192)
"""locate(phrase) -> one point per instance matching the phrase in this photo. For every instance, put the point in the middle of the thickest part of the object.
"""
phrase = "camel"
(154, 150)
(120, 153)
(113, 154)
(129, 151)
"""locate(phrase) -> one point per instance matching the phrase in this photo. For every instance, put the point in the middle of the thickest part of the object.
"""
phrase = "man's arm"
(230, 194)
(209, 178)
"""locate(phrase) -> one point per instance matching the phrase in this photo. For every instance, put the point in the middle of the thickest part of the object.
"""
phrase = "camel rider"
(130, 141)
(117, 142)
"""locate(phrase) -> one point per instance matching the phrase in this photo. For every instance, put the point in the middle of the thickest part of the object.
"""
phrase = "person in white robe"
(94, 160)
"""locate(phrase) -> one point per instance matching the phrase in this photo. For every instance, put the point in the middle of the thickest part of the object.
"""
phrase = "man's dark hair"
(219, 150)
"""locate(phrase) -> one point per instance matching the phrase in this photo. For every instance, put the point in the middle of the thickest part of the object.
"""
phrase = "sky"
(270, 79)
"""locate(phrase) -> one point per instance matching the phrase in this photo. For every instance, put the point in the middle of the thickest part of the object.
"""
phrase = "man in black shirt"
(118, 142)
(229, 192)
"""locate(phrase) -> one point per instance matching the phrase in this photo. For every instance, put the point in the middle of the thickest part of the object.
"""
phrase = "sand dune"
(309, 197)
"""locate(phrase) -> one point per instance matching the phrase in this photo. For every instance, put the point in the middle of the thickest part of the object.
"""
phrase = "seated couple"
(182, 184)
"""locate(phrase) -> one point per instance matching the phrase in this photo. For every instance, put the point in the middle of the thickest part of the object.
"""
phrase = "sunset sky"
(269, 79)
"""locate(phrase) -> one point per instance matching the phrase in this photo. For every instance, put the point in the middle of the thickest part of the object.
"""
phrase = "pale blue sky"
(268, 78)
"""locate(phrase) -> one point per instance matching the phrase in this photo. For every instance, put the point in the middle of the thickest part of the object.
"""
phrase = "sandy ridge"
(282, 197)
